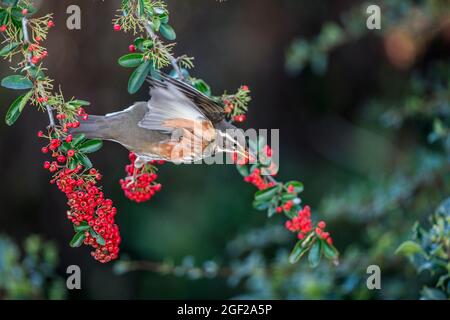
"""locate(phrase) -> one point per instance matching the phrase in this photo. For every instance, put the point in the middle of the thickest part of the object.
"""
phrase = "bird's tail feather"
(95, 127)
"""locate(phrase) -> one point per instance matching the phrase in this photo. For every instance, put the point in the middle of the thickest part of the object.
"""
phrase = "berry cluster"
(235, 106)
(90, 212)
(302, 224)
(257, 180)
(255, 177)
(140, 184)
(38, 53)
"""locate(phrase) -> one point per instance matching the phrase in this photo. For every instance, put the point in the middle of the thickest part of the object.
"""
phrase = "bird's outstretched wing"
(166, 105)
(209, 108)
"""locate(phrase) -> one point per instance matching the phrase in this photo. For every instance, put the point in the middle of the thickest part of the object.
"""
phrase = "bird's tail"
(95, 127)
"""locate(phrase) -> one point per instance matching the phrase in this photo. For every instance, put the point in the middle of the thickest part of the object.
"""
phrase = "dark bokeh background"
(201, 207)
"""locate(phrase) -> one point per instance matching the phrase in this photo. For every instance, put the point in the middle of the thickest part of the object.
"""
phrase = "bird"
(177, 124)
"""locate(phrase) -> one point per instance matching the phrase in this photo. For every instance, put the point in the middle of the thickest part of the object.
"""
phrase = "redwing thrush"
(177, 124)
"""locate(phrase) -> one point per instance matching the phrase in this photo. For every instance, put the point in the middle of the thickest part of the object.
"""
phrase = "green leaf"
(138, 43)
(65, 147)
(298, 186)
(78, 139)
(297, 252)
(202, 86)
(16, 108)
(138, 77)
(329, 251)
(315, 253)
(147, 44)
(90, 146)
(167, 32)
(272, 209)
(288, 196)
(267, 194)
(17, 82)
(164, 17)
(243, 170)
(77, 239)
(156, 22)
(131, 60)
(83, 226)
(79, 103)
(100, 240)
(73, 162)
(141, 7)
(8, 48)
(258, 205)
(410, 248)
(84, 160)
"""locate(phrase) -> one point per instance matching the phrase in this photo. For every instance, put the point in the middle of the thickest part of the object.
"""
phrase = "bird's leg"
(229, 138)
(138, 164)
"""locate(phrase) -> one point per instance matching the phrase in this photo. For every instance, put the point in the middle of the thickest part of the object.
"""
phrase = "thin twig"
(26, 38)
(173, 60)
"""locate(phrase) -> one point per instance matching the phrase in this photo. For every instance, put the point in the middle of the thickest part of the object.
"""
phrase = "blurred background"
(363, 119)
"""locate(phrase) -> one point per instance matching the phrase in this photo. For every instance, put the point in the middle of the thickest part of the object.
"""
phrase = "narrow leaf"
(297, 252)
(90, 146)
(167, 32)
(78, 139)
(138, 77)
(267, 194)
(84, 160)
(315, 253)
(131, 60)
(77, 239)
(8, 48)
(83, 226)
(100, 240)
(17, 82)
(16, 108)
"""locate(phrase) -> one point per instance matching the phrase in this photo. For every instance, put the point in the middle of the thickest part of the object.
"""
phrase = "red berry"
(268, 151)
(38, 39)
(244, 88)
(40, 134)
(44, 150)
(322, 224)
(70, 153)
(291, 189)
(3, 28)
(117, 27)
(35, 60)
(61, 159)
(279, 209)
(46, 165)
(240, 118)
(69, 138)
(24, 12)
(50, 24)
(132, 48)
